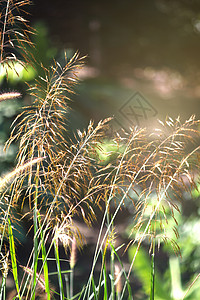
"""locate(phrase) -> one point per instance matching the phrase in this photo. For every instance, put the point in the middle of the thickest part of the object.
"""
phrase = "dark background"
(146, 46)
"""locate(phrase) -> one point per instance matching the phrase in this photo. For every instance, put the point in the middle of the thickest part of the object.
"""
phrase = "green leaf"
(13, 257)
(44, 259)
(142, 268)
(59, 271)
(105, 282)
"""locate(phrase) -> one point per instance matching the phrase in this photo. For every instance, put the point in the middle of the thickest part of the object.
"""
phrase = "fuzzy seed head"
(118, 281)
(8, 96)
(9, 177)
(73, 254)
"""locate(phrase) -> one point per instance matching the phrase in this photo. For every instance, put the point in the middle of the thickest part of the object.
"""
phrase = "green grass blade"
(152, 272)
(142, 265)
(13, 257)
(101, 275)
(44, 259)
(35, 243)
(62, 272)
(59, 271)
(130, 296)
(105, 283)
(35, 257)
(112, 276)
(81, 293)
(94, 289)
(46, 273)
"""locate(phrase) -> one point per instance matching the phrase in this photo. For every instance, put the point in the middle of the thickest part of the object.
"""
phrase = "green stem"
(44, 260)
(112, 271)
(153, 271)
(35, 243)
(59, 271)
(13, 257)
(101, 274)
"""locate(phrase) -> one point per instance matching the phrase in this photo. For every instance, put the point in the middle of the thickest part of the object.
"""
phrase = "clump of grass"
(58, 180)
(15, 32)
(151, 172)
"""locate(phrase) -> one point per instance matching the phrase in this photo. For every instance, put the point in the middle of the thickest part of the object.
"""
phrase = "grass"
(57, 181)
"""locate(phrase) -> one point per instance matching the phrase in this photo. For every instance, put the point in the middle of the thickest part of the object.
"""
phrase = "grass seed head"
(8, 96)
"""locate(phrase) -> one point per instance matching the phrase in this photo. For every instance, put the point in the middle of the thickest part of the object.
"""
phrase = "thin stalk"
(94, 289)
(42, 267)
(4, 30)
(111, 256)
(13, 257)
(107, 212)
(59, 271)
(44, 260)
(101, 274)
(130, 297)
(35, 224)
(153, 271)
(105, 282)
(3, 285)
(4, 277)
(112, 273)
(4, 226)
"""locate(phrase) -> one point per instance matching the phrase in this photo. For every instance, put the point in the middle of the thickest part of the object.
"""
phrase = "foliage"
(55, 181)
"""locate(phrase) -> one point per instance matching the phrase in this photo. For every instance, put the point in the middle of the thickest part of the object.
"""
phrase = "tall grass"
(58, 180)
